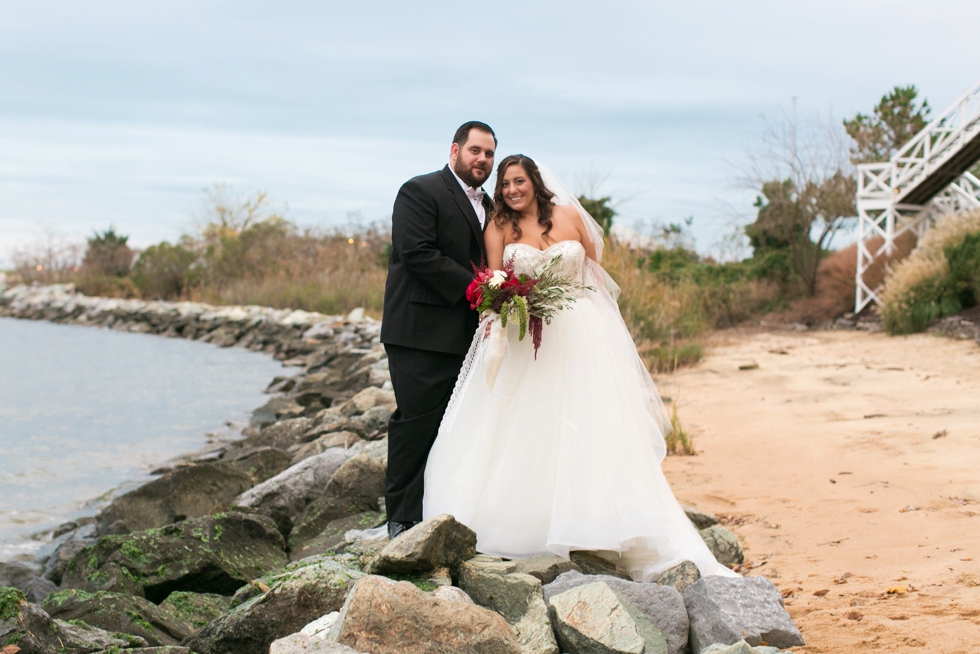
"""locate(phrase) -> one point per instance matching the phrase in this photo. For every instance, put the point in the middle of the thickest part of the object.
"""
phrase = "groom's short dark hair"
(463, 133)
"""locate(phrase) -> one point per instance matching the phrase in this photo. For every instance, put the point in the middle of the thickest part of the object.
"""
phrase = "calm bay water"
(84, 410)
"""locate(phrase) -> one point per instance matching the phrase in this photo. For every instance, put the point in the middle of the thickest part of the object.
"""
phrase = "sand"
(848, 464)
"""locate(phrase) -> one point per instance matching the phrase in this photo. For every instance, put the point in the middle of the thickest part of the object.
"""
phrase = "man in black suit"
(436, 236)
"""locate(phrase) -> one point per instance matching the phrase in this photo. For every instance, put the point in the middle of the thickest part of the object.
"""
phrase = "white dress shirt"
(476, 198)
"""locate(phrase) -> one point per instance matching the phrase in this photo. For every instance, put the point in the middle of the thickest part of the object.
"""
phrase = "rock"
(334, 533)
(193, 491)
(166, 649)
(496, 585)
(301, 593)
(545, 568)
(215, 554)
(32, 630)
(592, 619)
(662, 605)
(372, 423)
(416, 623)
(439, 542)
(680, 576)
(113, 612)
(321, 626)
(452, 594)
(728, 609)
(300, 643)
(278, 408)
(342, 439)
(723, 545)
(281, 435)
(15, 574)
(367, 399)
(195, 609)
(294, 488)
(701, 519)
(38, 589)
(323, 511)
(741, 647)
(591, 563)
(361, 477)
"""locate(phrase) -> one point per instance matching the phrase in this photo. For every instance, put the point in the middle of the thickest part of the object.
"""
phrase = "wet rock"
(38, 589)
(192, 492)
(701, 519)
(545, 568)
(726, 610)
(723, 545)
(333, 534)
(591, 563)
(662, 605)
(195, 609)
(592, 619)
(680, 576)
(35, 632)
(294, 488)
(215, 554)
(288, 600)
(440, 542)
(497, 585)
(16, 574)
(113, 612)
(414, 622)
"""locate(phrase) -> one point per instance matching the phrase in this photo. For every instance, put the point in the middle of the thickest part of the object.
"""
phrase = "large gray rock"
(741, 647)
(361, 477)
(285, 603)
(439, 542)
(728, 609)
(16, 574)
(294, 488)
(592, 619)
(35, 632)
(38, 589)
(701, 519)
(496, 584)
(215, 554)
(414, 622)
(323, 443)
(333, 534)
(191, 492)
(114, 612)
(662, 605)
(57, 563)
(281, 435)
(723, 545)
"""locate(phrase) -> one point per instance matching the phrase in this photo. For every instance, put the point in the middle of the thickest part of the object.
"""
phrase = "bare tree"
(49, 259)
(806, 187)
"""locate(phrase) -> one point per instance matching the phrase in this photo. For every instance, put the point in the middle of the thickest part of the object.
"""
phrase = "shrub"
(96, 284)
(921, 288)
(163, 271)
(964, 269)
(108, 255)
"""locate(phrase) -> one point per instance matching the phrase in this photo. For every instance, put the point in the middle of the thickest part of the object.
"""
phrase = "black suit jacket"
(435, 240)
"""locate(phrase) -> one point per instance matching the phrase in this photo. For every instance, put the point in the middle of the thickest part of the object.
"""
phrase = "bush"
(921, 288)
(98, 285)
(163, 271)
(108, 255)
(964, 270)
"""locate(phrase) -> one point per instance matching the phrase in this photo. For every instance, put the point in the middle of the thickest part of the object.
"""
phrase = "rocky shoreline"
(262, 544)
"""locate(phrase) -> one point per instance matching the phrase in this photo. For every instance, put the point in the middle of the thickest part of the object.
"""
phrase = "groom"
(436, 236)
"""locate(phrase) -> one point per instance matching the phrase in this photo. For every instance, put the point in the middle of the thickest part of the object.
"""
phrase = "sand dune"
(849, 465)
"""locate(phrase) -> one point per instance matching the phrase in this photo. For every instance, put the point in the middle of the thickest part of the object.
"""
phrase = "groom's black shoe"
(397, 528)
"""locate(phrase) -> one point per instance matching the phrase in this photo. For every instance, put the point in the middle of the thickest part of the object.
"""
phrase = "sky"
(122, 113)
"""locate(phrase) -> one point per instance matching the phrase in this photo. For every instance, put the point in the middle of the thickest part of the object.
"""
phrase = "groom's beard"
(468, 176)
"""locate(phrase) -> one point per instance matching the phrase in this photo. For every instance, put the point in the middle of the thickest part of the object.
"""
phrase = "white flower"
(499, 276)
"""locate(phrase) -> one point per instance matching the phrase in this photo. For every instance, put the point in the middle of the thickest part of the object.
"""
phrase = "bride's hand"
(486, 331)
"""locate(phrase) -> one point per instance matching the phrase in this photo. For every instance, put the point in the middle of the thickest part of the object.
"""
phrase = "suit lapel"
(465, 207)
(488, 209)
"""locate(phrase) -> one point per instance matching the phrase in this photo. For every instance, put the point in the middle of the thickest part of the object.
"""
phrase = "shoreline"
(297, 339)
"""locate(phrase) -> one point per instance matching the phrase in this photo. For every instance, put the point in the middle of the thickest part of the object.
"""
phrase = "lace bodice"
(528, 259)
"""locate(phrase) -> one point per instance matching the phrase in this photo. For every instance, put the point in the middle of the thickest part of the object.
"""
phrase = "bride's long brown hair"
(503, 215)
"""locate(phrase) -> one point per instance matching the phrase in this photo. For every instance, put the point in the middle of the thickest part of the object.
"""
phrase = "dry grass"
(918, 290)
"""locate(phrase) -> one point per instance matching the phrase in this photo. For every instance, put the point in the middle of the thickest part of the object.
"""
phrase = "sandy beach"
(848, 464)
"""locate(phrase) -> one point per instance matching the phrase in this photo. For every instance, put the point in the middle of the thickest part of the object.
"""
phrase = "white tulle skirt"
(563, 453)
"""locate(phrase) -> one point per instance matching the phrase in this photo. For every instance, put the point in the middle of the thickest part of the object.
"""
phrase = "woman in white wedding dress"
(561, 452)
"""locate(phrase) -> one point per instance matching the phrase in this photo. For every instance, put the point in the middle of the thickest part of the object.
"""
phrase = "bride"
(561, 452)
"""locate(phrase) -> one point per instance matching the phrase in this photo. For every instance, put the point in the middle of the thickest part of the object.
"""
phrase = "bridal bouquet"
(529, 301)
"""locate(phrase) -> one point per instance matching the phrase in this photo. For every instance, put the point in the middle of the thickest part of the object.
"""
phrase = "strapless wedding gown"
(563, 453)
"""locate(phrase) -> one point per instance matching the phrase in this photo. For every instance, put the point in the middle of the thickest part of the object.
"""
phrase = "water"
(84, 410)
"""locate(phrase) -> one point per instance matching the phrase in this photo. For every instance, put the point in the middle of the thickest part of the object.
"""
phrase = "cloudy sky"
(121, 112)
